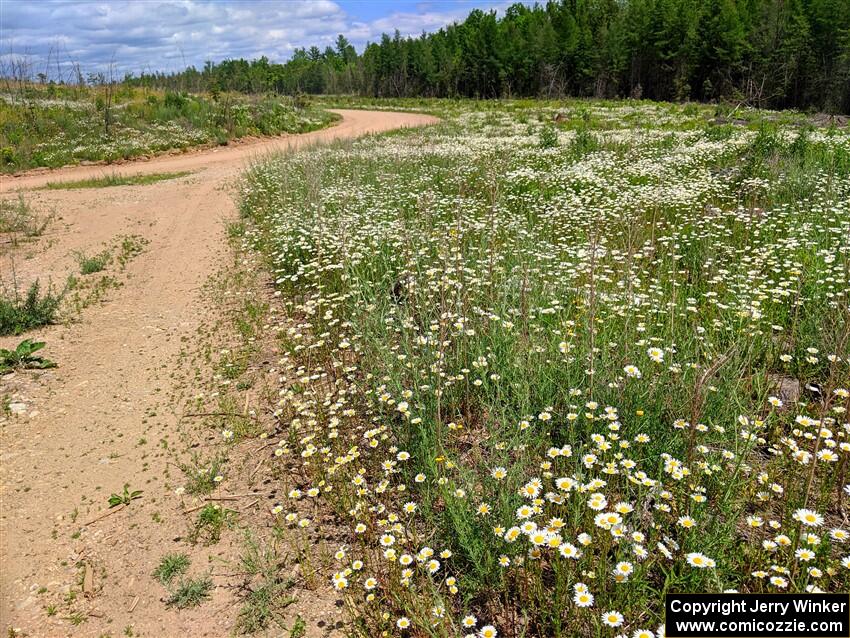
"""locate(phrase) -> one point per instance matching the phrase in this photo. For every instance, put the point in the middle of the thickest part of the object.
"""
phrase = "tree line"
(766, 53)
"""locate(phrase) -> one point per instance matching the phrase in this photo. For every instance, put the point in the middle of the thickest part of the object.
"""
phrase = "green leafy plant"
(584, 142)
(211, 521)
(125, 498)
(299, 628)
(23, 357)
(131, 246)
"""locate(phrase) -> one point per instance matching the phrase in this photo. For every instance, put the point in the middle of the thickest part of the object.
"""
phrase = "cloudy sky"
(171, 34)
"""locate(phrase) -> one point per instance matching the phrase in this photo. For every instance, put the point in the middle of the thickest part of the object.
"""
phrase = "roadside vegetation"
(116, 179)
(224, 489)
(52, 125)
(18, 220)
(33, 308)
(540, 365)
(26, 306)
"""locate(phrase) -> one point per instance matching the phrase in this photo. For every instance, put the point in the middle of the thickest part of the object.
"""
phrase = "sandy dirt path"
(81, 431)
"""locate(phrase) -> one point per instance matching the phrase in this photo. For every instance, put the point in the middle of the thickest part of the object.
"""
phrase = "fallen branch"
(232, 497)
(250, 505)
(109, 513)
(88, 580)
(227, 497)
(230, 414)
(194, 509)
(257, 469)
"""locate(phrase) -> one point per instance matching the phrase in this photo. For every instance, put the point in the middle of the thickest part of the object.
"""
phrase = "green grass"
(93, 263)
(261, 607)
(116, 179)
(170, 566)
(267, 592)
(190, 593)
(200, 474)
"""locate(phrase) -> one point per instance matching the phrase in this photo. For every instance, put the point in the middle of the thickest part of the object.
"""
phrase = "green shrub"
(175, 100)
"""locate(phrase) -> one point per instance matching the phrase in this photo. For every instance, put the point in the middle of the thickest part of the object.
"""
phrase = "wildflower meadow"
(541, 364)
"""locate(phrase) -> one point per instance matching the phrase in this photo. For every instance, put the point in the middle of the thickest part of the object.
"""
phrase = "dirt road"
(80, 432)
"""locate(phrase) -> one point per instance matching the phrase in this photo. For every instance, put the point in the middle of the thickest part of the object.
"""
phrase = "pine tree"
(770, 53)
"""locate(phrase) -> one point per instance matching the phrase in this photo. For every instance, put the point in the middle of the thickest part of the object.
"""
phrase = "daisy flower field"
(540, 374)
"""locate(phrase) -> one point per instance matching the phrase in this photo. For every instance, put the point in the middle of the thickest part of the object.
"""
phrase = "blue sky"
(170, 34)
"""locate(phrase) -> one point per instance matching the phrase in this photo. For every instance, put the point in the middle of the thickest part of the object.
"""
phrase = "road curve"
(354, 123)
(100, 419)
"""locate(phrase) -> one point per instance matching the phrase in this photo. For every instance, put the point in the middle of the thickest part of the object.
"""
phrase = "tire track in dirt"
(79, 437)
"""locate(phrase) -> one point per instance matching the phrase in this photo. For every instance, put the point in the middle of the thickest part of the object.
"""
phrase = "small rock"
(787, 388)
(18, 408)
(26, 603)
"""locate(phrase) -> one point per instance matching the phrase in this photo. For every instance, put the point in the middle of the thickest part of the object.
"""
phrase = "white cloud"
(170, 34)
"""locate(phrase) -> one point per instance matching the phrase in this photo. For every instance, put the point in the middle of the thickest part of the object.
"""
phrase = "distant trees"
(769, 53)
